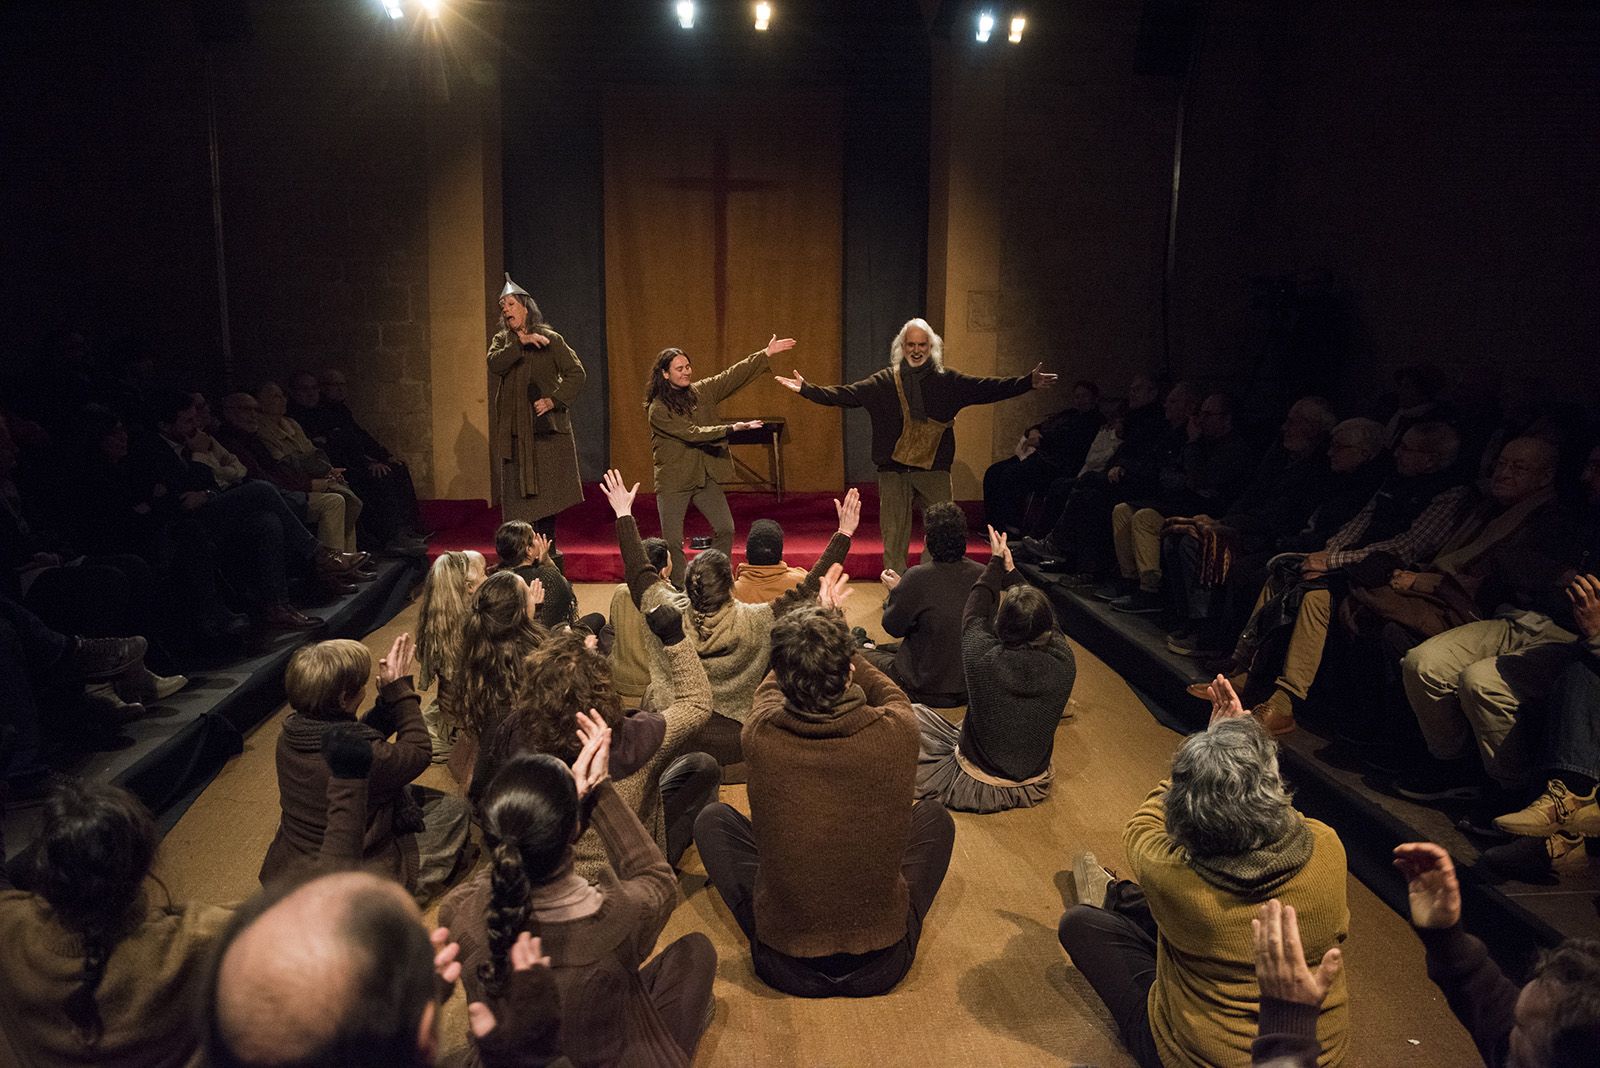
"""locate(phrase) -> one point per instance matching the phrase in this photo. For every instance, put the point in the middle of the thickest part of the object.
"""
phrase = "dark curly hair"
(709, 584)
(496, 638)
(658, 553)
(811, 652)
(559, 679)
(96, 845)
(944, 531)
(1024, 616)
(679, 399)
(1571, 973)
(531, 816)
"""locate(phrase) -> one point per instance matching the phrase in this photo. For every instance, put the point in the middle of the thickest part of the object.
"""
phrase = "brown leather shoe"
(330, 562)
(287, 617)
(1276, 714)
(1202, 688)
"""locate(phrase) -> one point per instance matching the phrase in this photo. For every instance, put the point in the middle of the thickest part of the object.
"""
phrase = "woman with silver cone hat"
(538, 377)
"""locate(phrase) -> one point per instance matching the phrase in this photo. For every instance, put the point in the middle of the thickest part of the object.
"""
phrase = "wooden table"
(770, 434)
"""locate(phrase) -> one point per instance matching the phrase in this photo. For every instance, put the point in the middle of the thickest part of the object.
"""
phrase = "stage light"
(1018, 24)
(985, 25)
(763, 15)
(432, 7)
(685, 9)
(392, 7)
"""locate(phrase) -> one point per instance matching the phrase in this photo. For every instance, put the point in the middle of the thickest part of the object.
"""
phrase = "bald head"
(337, 971)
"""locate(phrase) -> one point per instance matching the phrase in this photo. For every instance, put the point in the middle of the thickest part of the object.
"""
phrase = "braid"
(508, 914)
(81, 1007)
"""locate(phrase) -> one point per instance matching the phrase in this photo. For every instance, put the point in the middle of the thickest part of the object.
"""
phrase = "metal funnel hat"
(513, 290)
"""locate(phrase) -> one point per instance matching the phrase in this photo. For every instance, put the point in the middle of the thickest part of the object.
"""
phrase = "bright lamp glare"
(432, 7)
(985, 25)
(1018, 24)
(763, 15)
(392, 7)
(685, 11)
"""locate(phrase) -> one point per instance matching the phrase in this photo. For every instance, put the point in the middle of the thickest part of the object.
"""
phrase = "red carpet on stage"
(587, 534)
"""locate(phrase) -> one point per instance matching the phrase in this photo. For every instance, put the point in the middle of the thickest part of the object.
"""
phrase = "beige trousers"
(1137, 537)
(897, 491)
(334, 515)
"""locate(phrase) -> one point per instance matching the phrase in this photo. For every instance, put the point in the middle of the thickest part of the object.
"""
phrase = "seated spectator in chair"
(1413, 513)
(226, 468)
(764, 576)
(733, 639)
(832, 876)
(1199, 552)
(340, 972)
(381, 477)
(924, 610)
(527, 552)
(1047, 451)
(1214, 466)
(330, 506)
(626, 637)
(1019, 670)
(615, 1008)
(1170, 953)
(414, 835)
(1415, 400)
(1106, 439)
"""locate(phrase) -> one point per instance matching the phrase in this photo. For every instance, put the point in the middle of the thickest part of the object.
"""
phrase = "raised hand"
(849, 512)
(999, 549)
(397, 662)
(1042, 379)
(1431, 884)
(527, 954)
(1225, 704)
(777, 345)
(1584, 593)
(834, 588)
(794, 383)
(1281, 967)
(889, 577)
(541, 547)
(535, 597)
(593, 763)
(617, 493)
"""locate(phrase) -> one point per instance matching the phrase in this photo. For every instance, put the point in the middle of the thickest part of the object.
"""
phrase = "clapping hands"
(849, 512)
(1225, 704)
(1431, 885)
(834, 588)
(1281, 967)
(593, 763)
(397, 663)
(999, 549)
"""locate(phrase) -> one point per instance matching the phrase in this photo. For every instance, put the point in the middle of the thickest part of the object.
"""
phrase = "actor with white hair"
(913, 404)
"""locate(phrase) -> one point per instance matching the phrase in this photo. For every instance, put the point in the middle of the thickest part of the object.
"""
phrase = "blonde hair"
(446, 596)
(320, 677)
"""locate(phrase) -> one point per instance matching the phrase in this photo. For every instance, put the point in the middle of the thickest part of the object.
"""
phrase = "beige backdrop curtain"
(740, 194)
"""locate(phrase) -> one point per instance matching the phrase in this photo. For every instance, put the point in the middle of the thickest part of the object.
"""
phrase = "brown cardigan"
(554, 372)
(303, 785)
(830, 802)
(607, 1015)
(692, 449)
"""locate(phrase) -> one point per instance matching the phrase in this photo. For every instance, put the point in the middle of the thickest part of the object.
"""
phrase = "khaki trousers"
(1468, 684)
(896, 492)
(1136, 536)
(712, 503)
(1304, 655)
(334, 515)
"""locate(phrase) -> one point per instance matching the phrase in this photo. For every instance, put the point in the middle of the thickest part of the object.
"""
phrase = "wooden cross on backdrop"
(720, 185)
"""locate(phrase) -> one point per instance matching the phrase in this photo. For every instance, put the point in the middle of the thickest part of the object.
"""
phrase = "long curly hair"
(96, 846)
(446, 599)
(496, 638)
(531, 817)
(559, 679)
(680, 399)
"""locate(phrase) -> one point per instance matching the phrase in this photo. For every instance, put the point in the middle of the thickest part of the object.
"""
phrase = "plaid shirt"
(1416, 545)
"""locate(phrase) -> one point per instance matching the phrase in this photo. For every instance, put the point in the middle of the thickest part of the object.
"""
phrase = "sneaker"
(103, 698)
(1138, 603)
(1531, 859)
(1090, 880)
(1275, 714)
(1557, 809)
(105, 658)
(150, 687)
(1442, 780)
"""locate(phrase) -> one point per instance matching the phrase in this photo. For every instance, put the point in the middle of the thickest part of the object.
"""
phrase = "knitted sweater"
(830, 806)
(1205, 1000)
(1015, 696)
(924, 612)
(630, 645)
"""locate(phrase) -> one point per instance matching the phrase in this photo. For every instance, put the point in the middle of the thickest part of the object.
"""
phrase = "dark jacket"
(924, 612)
(1286, 489)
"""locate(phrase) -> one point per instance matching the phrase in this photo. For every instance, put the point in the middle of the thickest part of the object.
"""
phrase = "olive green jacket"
(690, 450)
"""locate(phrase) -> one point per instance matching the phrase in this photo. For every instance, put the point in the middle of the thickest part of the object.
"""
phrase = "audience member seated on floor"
(414, 835)
(626, 637)
(924, 610)
(764, 576)
(732, 638)
(615, 1008)
(42, 678)
(1019, 671)
(1052, 449)
(1415, 400)
(1552, 1022)
(441, 616)
(832, 876)
(276, 995)
(1406, 521)
(1153, 440)
(1215, 465)
(499, 633)
(1170, 952)
(527, 552)
(381, 477)
(101, 966)
(259, 535)
(226, 468)
(652, 763)
(330, 506)
(1201, 554)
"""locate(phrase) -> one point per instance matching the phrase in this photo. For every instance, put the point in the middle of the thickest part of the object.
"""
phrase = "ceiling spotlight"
(392, 8)
(985, 25)
(1018, 24)
(685, 9)
(432, 7)
(763, 15)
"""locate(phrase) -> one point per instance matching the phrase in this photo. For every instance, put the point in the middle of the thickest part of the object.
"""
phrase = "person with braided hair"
(597, 936)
